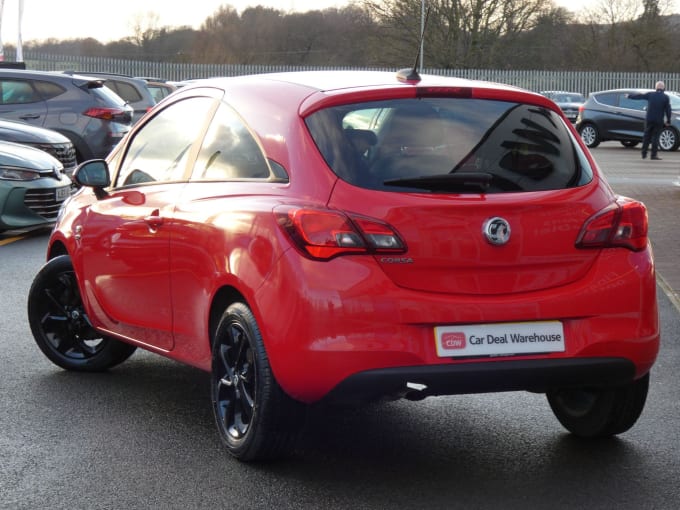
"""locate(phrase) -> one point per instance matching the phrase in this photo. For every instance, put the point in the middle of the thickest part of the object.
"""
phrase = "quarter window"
(229, 151)
(48, 90)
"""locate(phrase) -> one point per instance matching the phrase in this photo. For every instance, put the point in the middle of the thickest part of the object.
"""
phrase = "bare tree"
(460, 33)
(627, 35)
(144, 28)
(218, 39)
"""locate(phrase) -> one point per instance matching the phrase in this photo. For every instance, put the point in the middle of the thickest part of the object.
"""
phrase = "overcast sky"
(114, 19)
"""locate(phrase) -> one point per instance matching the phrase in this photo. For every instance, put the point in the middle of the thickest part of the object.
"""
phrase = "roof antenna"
(411, 74)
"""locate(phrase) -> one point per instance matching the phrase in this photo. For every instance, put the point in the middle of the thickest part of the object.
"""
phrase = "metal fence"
(574, 81)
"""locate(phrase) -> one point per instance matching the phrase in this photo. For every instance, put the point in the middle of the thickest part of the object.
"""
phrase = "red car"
(349, 236)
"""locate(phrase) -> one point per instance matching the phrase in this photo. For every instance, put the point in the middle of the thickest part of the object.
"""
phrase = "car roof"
(340, 80)
(54, 76)
(628, 90)
(313, 88)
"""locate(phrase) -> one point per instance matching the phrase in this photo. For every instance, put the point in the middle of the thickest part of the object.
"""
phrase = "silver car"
(33, 186)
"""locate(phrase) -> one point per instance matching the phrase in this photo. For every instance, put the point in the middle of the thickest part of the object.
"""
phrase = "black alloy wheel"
(60, 325)
(600, 412)
(256, 420)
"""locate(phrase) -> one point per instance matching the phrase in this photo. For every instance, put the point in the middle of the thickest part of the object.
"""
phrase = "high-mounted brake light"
(323, 234)
(623, 224)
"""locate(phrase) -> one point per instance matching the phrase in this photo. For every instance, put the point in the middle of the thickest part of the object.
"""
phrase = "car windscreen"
(449, 145)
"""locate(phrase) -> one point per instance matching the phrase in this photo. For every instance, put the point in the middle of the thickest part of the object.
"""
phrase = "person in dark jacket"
(658, 107)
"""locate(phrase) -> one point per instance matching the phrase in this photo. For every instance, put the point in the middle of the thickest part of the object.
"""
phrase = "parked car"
(349, 236)
(33, 186)
(612, 115)
(133, 91)
(569, 102)
(82, 109)
(159, 88)
(50, 141)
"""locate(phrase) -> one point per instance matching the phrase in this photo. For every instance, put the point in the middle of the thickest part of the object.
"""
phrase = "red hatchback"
(349, 236)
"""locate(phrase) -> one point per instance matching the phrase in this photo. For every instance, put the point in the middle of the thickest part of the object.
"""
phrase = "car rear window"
(455, 145)
(124, 90)
(106, 97)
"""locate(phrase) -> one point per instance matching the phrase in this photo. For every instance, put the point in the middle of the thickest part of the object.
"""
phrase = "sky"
(114, 20)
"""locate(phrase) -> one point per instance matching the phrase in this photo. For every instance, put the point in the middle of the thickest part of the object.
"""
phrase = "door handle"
(29, 116)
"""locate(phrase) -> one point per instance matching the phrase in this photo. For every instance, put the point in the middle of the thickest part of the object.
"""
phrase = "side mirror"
(93, 173)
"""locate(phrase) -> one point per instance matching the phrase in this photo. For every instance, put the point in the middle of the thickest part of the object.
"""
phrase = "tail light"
(323, 234)
(105, 113)
(622, 224)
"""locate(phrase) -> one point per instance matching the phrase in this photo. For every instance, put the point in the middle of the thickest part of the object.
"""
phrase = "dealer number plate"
(503, 339)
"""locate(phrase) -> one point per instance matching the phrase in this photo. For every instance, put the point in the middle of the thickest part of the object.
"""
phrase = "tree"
(460, 33)
(627, 35)
(217, 41)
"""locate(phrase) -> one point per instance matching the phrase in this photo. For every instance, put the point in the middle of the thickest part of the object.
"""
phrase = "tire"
(592, 413)
(256, 420)
(668, 139)
(629, 143)
(60, 325)
(590, 135)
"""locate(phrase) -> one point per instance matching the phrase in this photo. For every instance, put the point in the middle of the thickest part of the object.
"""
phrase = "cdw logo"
(454, 340)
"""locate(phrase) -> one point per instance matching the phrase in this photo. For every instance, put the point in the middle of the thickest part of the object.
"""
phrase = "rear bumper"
(344, 326)
(483, 377)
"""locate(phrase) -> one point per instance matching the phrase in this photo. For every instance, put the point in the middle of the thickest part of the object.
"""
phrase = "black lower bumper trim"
(484, 377)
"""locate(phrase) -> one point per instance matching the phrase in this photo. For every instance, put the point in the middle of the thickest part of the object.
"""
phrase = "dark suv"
(133, 91)
(612, 115)
(93, 117)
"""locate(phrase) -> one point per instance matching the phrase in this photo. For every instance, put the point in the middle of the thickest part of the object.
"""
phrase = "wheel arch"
(224, 297)
(56, 249)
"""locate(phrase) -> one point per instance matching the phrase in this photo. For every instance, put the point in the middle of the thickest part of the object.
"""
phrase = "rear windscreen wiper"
(459, 181)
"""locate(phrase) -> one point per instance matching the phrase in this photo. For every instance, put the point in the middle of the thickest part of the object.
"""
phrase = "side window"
(632, 104)
(18, 92)
(48, 90)
(229, 151)
(609, 98)
(160, 150)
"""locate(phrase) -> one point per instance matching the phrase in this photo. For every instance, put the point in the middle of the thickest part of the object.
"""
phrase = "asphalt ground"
(656, 184)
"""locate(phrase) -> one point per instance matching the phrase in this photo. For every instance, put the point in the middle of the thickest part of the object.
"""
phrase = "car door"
(19, 100)
(129, 263)
(632, 114)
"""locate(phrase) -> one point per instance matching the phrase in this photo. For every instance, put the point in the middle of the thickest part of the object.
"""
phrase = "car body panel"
(31, 202)
(157, 261)
(48, 140)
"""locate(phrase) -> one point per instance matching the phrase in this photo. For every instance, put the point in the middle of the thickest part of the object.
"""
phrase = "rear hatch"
(481, 246)
(488, 196)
